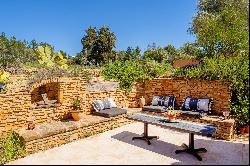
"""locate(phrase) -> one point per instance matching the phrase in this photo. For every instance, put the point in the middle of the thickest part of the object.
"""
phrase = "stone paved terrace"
(116, 147)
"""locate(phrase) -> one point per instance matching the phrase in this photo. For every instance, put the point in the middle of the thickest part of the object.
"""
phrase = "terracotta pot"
(242, 130)
(31, 126)
(76, 115)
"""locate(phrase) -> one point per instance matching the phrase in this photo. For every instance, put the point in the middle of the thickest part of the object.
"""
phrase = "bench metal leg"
(145, 136)
(190, 149)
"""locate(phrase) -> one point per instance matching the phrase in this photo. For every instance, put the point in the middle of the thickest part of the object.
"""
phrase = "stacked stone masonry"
(181, 88)
(17, 106)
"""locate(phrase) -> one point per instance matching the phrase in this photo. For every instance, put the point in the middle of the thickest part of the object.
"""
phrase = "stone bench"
(56, 133)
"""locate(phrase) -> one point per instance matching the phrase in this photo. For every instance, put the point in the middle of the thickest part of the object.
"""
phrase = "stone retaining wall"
(181, 88)
(17, 109)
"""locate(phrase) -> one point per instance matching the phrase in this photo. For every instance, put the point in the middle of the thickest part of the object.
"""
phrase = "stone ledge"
(35, 142)
(57, 127)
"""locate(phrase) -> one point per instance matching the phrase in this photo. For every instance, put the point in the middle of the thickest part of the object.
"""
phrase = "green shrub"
(129, 71)
(13, 147)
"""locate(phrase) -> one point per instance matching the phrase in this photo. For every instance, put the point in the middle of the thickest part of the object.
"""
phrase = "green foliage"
(241, 111)
(76, 103)
(47, 57)
(129, 71)
(231, 69)
(157, 54)
(79, 59)
(221, 26)
(13, 146)
(132, 53)
(98, 45)
(79, 71)
(181, 55)
(14, 52)
(187, 51)
(171, 51)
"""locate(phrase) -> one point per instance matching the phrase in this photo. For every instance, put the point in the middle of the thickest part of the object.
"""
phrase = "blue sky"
(62, 23)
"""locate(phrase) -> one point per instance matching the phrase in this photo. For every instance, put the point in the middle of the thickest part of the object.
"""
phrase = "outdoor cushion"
(112, 103)
(204, 105)
(111, 112)
(154, 108)
(98, 105)
(167, 101)
(155, 100)
(195, 104)
(106, 103)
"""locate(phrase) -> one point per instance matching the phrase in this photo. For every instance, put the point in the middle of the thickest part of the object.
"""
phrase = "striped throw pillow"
(98, 105)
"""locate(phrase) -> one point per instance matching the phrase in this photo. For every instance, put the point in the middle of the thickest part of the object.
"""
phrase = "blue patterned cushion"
(166, 101)
(169, 101)
(195, 104)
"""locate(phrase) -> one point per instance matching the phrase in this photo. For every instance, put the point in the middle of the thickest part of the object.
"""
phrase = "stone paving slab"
(116, 147)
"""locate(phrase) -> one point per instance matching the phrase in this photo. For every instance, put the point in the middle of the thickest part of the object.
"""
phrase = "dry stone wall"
(181, 88)
(17, 109)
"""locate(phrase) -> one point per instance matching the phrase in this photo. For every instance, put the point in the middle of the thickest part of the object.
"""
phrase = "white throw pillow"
(203, 105)
(155, 100)
(112, 103)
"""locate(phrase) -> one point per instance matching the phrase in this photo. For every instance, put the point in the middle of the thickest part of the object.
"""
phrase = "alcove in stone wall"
(52, 90)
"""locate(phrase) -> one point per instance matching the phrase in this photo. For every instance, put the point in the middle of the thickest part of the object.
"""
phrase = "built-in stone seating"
(48, 135)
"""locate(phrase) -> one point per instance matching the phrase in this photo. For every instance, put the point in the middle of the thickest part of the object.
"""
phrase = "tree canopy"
(222, 27)
(98, 45)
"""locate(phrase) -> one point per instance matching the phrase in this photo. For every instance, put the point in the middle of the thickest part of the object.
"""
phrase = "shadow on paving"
(218, 151)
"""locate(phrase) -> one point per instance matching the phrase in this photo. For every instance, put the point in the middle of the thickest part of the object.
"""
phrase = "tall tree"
(171, 51)
(222, 26)
(132, 53)
(14, 52)
(98, 45)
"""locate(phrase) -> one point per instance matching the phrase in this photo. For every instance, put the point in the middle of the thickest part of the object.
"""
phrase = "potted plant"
(242, 121)
(170, 115)
(241, 114)
(76, 106)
